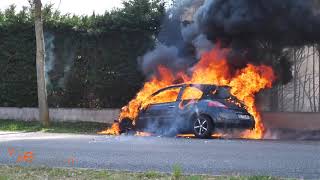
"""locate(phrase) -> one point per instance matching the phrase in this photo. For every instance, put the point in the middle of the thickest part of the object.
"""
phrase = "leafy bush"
(91, 60)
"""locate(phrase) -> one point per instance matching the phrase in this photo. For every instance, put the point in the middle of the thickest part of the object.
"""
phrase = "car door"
(188, 101)
(162, 108)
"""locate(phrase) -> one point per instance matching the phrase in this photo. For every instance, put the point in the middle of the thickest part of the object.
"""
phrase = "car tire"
(202, 126)
(126, 126)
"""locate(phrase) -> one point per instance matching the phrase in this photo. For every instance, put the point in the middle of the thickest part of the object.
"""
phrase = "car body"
(196, 108)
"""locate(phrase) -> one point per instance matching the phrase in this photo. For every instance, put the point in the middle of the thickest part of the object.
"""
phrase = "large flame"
(212, 68)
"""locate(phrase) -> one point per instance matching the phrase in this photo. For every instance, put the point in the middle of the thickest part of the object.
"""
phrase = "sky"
(78, 7)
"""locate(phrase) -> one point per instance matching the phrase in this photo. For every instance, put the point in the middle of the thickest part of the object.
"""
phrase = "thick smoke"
(202, 44)
(171, 50)
(252, 29)
(256, 29)
(162, 55)
(285, 22)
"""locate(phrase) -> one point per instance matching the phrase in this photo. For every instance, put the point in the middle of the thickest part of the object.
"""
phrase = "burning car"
(190, 108)
(162, 107)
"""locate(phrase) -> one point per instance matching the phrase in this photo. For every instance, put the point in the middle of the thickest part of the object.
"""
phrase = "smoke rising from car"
(162, 55)
(49, 56)
(54, 73)
(244, 26)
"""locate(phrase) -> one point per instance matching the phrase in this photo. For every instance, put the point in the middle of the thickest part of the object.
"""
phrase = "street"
(299, 159)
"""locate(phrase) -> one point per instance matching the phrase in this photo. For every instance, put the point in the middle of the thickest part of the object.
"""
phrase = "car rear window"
(191, 93)
(221, 93)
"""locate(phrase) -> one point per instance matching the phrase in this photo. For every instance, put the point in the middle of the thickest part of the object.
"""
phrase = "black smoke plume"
(256, 31)
(243, 22)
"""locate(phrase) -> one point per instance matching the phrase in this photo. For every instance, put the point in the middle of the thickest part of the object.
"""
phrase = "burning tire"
(202, 126)
(126, 126)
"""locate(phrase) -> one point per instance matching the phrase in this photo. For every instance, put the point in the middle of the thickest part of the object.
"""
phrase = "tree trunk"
(283, 99)
(319, 78)
(310, 95)
(42, 92)
(314, 78)
(305, 78)
(275, 99)
(294, 80)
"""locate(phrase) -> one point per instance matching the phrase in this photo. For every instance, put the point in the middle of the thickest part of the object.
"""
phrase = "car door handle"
(171, 106)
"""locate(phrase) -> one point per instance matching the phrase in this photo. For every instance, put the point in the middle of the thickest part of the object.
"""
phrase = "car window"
(191, 93)
(221, 93)
(169, 95)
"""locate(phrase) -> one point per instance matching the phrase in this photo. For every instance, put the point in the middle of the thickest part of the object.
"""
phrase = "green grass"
(55, 127)
(30, 173)
(177, 171)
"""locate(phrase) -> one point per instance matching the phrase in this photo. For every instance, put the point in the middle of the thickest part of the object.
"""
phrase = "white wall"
(89, 115)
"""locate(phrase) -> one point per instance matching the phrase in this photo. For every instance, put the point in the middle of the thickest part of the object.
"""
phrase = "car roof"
(189, 84)
(203, 86)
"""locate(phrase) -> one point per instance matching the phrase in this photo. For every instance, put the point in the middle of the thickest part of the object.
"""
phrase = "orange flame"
(144, 134)
(212, 68)
(113, 130)
(215, 135)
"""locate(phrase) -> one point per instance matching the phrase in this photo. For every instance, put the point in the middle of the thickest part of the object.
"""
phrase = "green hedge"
(92, 59)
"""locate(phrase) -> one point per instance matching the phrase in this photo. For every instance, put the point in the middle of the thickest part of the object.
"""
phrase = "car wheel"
(202, 126)
(126, 126)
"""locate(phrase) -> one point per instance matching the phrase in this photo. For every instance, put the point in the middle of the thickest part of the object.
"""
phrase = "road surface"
(298, 159)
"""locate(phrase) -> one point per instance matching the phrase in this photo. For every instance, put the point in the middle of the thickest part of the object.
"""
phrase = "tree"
(42, 92)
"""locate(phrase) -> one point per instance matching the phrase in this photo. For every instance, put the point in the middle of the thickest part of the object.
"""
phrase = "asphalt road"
(299, 159)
